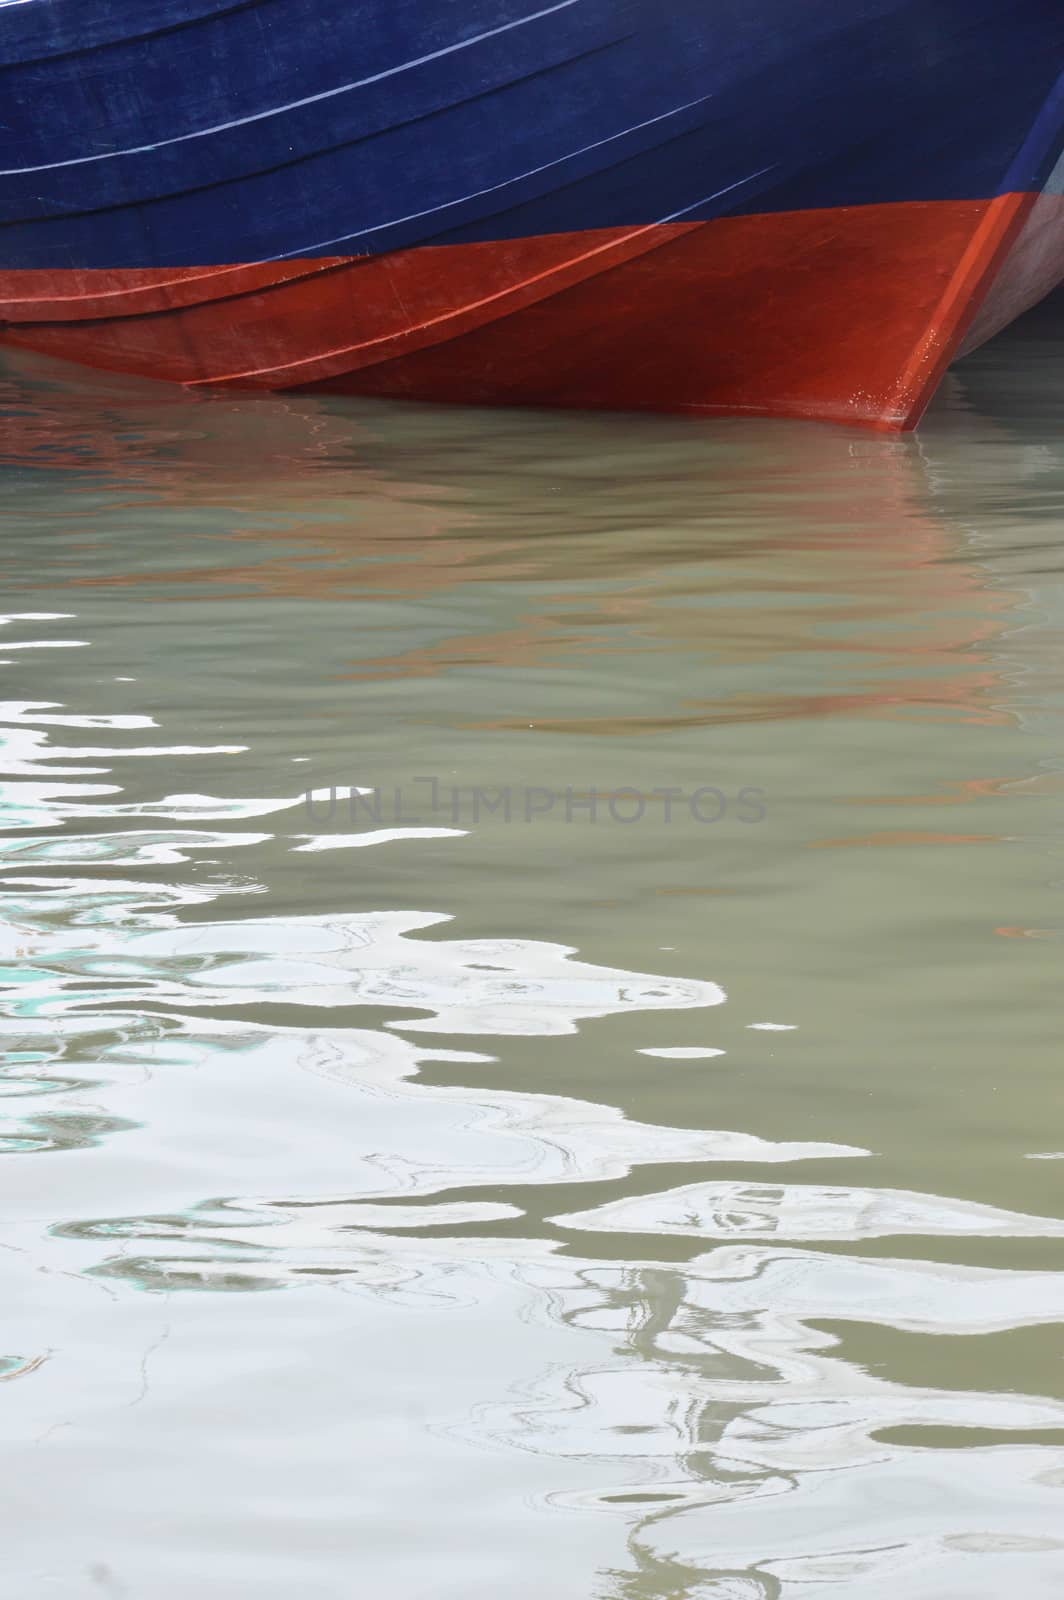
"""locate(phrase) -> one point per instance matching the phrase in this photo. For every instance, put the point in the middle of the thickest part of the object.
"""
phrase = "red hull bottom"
(848, 315)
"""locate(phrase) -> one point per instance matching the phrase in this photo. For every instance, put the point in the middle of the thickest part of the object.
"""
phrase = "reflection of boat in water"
(309, 499)
(759, 209)
(317, 499)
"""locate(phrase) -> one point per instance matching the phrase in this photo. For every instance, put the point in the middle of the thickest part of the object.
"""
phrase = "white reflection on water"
(701, 1411)
(806, 1211)
(358, 841)
(491, 986)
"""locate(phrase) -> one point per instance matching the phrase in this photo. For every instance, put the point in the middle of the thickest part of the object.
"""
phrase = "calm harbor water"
(615, 1156)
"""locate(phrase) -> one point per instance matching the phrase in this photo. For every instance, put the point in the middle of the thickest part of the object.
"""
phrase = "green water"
(617, 1155)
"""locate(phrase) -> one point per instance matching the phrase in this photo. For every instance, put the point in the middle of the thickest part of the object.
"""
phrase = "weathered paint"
(781, 209)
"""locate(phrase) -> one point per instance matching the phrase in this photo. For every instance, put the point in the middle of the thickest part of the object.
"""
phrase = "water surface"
(605, 1143)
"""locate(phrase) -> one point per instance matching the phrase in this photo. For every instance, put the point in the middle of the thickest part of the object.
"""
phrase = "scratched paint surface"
(213, 134)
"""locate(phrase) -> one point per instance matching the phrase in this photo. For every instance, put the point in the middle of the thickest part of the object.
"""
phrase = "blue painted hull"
(203, 133)
(298, 128)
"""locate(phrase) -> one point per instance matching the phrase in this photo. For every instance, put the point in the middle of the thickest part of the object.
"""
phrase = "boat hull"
(573, 206)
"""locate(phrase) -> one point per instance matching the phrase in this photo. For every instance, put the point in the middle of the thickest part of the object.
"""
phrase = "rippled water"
(642, 1196)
